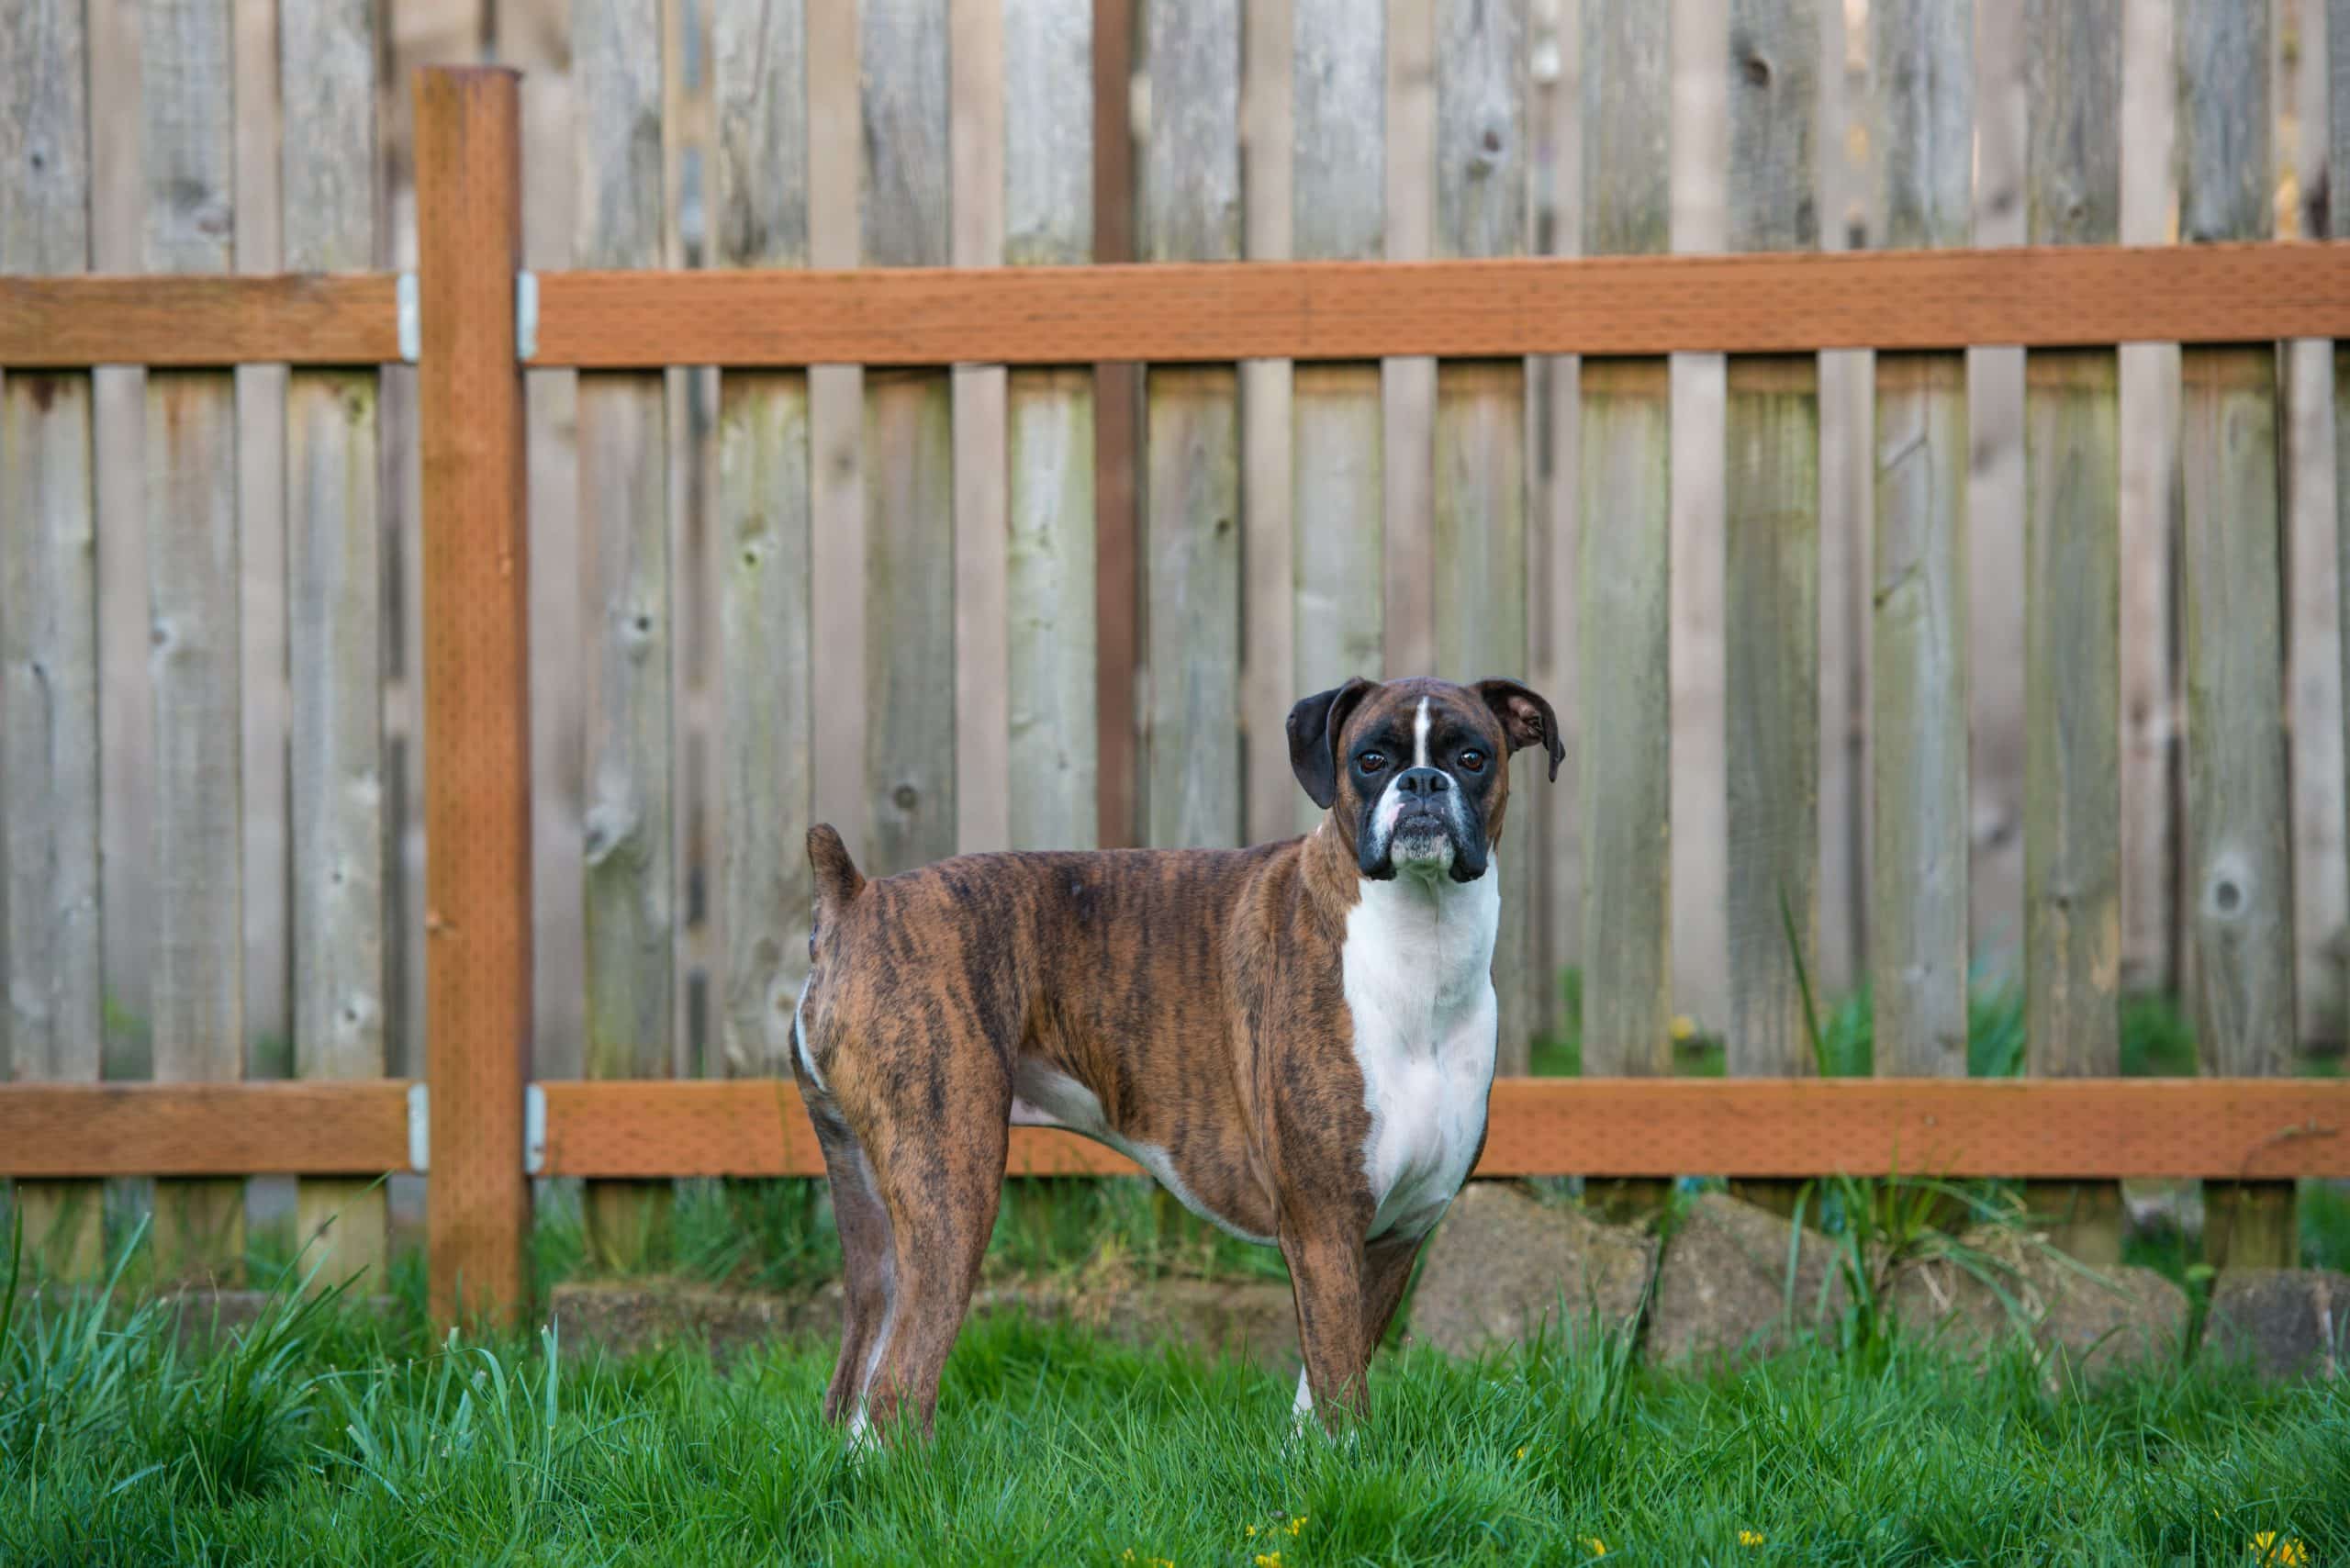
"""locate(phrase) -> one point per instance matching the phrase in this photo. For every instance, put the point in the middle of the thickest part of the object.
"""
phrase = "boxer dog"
(1297, 1039)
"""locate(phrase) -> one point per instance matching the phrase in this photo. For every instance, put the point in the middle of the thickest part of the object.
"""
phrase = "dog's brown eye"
(1372, 761)
(1474, 761)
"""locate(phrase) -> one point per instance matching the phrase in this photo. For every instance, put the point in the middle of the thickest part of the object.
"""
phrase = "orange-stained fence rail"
(1165, 313)
(2211, 1128)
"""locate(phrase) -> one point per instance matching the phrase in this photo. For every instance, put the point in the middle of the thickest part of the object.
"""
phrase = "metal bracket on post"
(419, 1128)
(410, 318)
(534, 1122)
(526, 314)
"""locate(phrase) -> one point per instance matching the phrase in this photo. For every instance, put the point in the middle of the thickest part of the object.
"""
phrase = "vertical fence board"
(334, 588)
(187, 100)
(2072, 674)
(1920, 130)
(764, 891)
(1049, 433)
(1624, 506)
(1190, 211)
(50, 966)
(909, 453)
(1771, 537)
(2238, 879)
(1338, 212)
(627, 840)
(976, 91)
(1478, 526)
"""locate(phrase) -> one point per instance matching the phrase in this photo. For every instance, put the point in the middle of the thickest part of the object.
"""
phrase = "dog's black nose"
(1422, 783)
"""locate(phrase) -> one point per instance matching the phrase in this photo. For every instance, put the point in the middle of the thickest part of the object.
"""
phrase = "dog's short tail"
(837, 878)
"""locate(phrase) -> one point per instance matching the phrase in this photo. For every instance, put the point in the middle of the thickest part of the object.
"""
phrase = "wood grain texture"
(909, 621)
(1478, 531)
(2237, 882)
(1050, 655)
(1191, 210)
(2072, 788)
(1771, 647)
(1624, 615)
(1771, 543)
(1919, 896)
(2036, 296)
(1622, 1126)
(1625, 479)
(334, 607)
(628, 828)
(1920, 117)
(1337, 431)
(909, 454)
(476, 620)
(353, 1126)
(50, 946)
(1050, 437)
(198, 1007)
(766, 775)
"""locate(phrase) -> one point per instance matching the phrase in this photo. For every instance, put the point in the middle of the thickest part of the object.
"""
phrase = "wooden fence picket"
(2238, 879)
(627, 831)
(334, 617)
(49, 984)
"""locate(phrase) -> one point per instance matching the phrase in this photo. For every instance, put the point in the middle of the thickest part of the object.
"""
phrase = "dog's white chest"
(1419, 970)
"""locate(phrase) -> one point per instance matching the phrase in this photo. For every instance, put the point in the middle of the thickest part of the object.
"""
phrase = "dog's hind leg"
(868, 1263)
(941, 1192)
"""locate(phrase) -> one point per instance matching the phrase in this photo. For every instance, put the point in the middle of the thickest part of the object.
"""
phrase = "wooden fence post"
(49, 985)
(2238, 879)
(1625, 502)
(628, 840)
(477, 689)
(2072, 589)
(1921, 119)
(334, 590)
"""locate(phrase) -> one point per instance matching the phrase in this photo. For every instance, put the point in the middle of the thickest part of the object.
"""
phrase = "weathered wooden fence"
(657, 620)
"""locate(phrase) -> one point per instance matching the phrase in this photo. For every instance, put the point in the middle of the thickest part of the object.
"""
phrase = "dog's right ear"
(1314, 727)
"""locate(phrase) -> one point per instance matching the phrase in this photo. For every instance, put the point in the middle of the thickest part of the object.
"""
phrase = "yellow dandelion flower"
(1269, 1560)
(1683, 1026)
(1598, 1547)
(1750, 1537)
(1252, 1532)
(2288, 1552)
(1297, 1524)
(1521, 1453)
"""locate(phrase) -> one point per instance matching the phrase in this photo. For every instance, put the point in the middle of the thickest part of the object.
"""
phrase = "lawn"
(325, 1436)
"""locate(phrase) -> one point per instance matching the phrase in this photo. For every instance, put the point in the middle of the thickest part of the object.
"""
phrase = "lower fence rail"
(2211, 1128)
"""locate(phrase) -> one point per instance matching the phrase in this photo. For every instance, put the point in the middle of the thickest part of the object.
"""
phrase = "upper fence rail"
(2048, 297)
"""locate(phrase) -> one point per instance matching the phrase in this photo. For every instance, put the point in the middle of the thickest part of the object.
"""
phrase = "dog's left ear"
(1525, 716)
(1314, 727)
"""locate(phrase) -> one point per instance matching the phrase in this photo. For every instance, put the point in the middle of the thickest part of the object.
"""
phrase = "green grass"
(323, 1437)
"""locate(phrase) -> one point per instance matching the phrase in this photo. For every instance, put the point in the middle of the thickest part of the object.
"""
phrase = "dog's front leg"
(1325, 1271)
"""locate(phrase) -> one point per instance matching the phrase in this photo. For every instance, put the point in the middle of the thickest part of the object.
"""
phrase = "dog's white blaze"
(1391, 801)
(1417, 965)
(1045, 1097)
